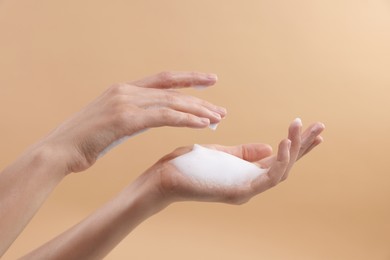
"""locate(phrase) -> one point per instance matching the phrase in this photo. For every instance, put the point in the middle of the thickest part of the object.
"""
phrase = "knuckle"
(177, 119)
(118, 101)
(171, 97)
(194, 75)
(244, 152)
(165, 76)
(187, 119)
(165, 115)
(283, 163)
(118, 88)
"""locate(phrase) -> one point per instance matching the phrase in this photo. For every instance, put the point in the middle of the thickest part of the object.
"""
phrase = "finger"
(318, 140)
(266, 162)
(309, 136)
(152, 98)
(167, 80)
(277, 170)
(190, 104)
(249, 152)
(168, 117)
(294, 134)
(195, 109)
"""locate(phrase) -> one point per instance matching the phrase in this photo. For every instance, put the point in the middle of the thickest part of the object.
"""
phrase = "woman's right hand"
(125, 109)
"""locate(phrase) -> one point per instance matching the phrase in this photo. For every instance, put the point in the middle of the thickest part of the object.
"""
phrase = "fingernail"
(212, 77)
(205, 121)
(217, 116)
(298, 121)
(289, 143)
(221, 111)
(319, 127)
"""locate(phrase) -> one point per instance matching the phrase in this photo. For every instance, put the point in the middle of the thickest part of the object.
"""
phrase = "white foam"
(213, 126)
(216, 168)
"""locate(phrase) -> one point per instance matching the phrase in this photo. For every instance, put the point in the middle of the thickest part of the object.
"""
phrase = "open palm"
(176, 186)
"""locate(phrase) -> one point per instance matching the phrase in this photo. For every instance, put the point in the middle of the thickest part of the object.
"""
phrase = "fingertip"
(203, 80)
(322, 127)
(212, 77)
(295, 128)
(318, 128)
(298, 121)
(203, 122)
(222, 112)
(319, 139)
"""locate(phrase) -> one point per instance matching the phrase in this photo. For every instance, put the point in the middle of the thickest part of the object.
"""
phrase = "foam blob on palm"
(218, 168)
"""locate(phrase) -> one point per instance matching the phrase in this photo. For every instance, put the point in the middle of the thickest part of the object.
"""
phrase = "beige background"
(276, 60)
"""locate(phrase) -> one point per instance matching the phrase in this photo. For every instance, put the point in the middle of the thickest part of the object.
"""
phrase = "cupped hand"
(126, 109)
(177, 186)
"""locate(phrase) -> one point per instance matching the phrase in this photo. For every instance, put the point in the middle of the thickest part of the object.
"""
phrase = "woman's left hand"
(173, 185)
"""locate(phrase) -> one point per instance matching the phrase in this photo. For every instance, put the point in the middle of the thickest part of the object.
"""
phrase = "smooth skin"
(122, 110)
(163, 184)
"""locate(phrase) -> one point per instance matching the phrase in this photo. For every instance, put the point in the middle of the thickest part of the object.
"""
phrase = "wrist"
(65, 153)
(46, 156)
(145, 196)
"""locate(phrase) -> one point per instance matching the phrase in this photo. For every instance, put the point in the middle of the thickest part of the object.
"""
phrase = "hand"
(125, 109)
(175, 186)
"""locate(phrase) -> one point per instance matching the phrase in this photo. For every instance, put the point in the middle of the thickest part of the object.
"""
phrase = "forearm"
(97, 235)
(24, 186)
